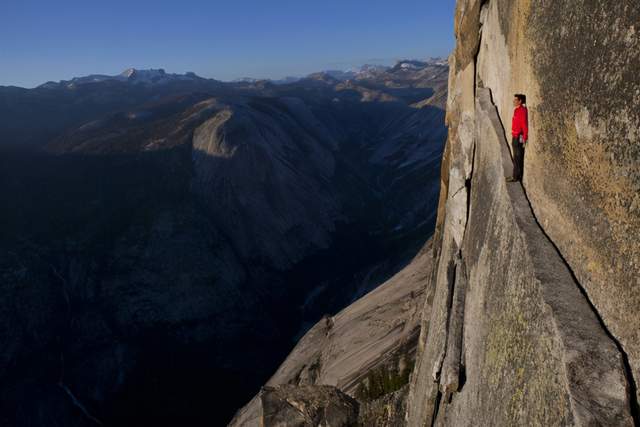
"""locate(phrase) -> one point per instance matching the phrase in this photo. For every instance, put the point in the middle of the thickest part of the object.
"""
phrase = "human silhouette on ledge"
(520, 135)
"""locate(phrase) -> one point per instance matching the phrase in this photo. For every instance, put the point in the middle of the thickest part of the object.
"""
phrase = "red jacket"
(520, 123)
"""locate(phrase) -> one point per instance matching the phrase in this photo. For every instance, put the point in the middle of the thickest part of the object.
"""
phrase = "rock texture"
(534, 313)
(319, 405)
(291, 406)
(367, 350)
(534, 351)
(386, 411)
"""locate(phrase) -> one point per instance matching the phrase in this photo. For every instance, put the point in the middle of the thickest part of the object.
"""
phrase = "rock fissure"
(455, 193)
(437, 403)
(450, 379)
(481, 20)
(449, 364)
(451, 279)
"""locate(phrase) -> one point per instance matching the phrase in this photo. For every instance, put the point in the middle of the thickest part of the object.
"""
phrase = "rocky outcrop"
(319, 405)
(386, 411)
(379, 329)
(533, 319)
(291, 406)
(367, 350)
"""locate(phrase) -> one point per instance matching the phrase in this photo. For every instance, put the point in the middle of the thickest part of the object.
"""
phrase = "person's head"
(519, 99)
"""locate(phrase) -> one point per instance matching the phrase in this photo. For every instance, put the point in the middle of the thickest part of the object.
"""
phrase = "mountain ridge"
(160, 76)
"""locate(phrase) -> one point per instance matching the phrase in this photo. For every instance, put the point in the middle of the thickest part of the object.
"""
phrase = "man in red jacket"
(520, 134)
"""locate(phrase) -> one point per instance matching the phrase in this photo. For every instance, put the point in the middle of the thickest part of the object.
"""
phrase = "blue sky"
(222, 39)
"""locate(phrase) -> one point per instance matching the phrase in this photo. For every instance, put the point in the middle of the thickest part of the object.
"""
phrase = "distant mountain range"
(159, 76)
(131, 75)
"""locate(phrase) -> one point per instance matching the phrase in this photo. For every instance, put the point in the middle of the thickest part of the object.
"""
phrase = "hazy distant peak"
(246, 80)
(132, 73)
(128, 72)
(287, 80)
(328, 76)
(372, 68)
(415, 64)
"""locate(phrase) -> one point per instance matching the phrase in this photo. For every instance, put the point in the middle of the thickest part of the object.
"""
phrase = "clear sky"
(222, 39)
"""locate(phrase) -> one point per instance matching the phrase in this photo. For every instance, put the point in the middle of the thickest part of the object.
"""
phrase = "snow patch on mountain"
(131, 75)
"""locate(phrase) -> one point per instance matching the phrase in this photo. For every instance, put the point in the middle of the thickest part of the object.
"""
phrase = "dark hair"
(521, 97)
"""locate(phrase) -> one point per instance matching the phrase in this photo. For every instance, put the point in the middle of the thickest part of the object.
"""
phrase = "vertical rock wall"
(534, 312)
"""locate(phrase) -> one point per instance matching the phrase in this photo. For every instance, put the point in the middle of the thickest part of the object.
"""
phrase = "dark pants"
(518, 157)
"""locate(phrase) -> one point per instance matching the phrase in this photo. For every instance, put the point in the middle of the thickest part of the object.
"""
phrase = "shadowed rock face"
(273, 162)
(164, 240)
(534, 319)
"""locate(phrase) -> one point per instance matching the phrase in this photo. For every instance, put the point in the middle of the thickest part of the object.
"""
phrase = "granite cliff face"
(530, 315)
(534, 317)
